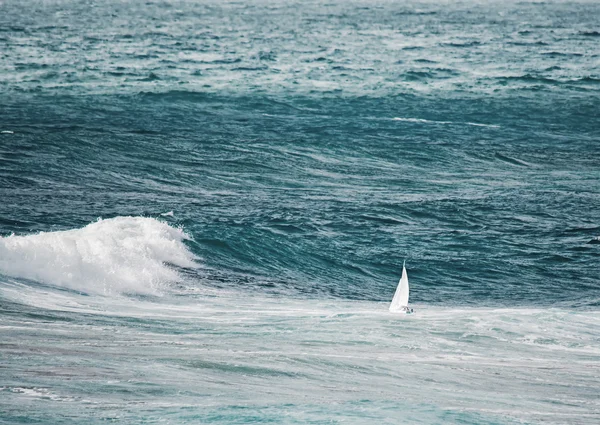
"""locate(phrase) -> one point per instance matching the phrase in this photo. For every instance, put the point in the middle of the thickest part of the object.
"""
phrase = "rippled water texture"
(205, 207)
(351, 47)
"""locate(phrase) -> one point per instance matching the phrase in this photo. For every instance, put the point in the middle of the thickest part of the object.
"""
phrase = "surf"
(112, 256)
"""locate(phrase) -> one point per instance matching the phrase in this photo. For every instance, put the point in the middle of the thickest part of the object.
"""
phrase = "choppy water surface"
(205, 207)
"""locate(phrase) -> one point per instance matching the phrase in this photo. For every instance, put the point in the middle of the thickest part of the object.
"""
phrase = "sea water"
(205, 207)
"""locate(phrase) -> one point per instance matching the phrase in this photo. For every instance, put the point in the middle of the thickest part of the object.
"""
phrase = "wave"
(424, 121)
(588, 80)
(512, 161)
(465, 44)
(528, 78)
(559, 54)
(112, 256)
(590, 33)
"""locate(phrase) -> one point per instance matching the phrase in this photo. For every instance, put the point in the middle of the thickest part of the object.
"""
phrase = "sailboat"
(400, 301)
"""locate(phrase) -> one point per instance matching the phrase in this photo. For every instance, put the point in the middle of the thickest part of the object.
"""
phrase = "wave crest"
(112, 256)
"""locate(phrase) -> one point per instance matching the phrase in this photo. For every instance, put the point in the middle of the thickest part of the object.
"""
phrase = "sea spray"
(112, 256)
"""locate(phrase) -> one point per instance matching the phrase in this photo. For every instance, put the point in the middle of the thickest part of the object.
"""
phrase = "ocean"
(205, 207)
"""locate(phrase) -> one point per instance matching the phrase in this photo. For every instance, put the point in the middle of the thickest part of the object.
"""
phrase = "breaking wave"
(112, 256)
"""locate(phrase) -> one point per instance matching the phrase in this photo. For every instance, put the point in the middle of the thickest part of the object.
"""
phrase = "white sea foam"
(424, 121)
(420, 120)
(33, 392)
(118, 255)
(482, 125)
(299, 353)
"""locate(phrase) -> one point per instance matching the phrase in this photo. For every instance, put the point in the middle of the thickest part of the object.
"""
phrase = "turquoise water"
(205, 208)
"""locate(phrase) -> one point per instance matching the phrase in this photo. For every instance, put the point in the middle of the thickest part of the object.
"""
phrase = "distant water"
(205, 207)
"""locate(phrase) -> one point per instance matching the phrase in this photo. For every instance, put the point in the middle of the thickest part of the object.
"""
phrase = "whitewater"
(119, 255)
(205, 208)
(110, 349)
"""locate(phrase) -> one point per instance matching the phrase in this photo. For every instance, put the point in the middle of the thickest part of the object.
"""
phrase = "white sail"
(400, 299)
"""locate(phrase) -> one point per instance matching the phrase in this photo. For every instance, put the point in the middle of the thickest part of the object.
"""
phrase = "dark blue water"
(328, 196)
(306, 149)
